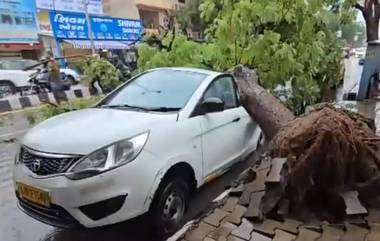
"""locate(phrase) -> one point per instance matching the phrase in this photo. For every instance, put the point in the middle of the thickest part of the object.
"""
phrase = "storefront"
(117, 35)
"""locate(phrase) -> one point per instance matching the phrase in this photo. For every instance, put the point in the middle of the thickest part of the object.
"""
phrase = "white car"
(144, 148)
(14, 79)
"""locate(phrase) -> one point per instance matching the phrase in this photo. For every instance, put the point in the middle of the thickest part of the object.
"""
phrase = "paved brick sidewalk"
(238, 216)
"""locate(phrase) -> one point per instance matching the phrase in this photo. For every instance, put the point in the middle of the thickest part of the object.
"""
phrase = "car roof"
(188, 69)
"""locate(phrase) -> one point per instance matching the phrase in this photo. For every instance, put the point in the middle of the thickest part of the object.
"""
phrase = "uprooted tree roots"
(328, 151)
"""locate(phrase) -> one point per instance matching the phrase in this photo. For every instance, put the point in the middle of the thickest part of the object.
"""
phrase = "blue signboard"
(18, 21)
(106, 28)
(73, 26)
(69, 25)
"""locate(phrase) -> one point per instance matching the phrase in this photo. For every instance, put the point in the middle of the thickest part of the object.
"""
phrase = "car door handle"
(237, 119)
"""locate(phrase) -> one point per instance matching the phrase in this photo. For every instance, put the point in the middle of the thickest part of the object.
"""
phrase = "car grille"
(43, 165)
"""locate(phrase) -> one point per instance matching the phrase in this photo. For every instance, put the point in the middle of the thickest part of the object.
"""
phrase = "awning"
(86, 44)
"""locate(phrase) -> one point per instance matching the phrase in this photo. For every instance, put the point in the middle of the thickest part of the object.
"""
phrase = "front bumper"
(55, 215)
(122, 192)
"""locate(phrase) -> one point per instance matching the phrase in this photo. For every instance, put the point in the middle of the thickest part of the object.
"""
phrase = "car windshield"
(161, 90)
(16, 64)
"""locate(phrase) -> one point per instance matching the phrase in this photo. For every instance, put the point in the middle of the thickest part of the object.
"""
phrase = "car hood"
(84, 131)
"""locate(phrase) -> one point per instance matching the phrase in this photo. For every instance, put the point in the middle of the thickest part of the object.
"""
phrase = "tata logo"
(36, 165)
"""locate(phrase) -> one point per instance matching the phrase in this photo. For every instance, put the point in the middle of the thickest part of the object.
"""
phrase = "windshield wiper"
(125, 106)
(164, 109)
(159, 109)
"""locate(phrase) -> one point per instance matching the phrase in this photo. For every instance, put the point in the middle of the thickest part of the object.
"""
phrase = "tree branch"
(359, 7)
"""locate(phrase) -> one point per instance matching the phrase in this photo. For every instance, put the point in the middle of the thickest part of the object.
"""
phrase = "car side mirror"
(212, 104)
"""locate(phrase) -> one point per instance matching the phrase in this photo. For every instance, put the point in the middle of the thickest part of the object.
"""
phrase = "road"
(16, 226)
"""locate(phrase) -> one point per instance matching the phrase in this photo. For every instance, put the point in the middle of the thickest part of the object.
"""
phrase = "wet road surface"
(17, 226)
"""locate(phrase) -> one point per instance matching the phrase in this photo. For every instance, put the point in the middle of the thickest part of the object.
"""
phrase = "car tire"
(71, 80)
(7, 89)
(169, 206)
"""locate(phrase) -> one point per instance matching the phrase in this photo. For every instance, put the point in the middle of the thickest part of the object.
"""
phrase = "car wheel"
(71, 80)
(169, 206)
(7, 89)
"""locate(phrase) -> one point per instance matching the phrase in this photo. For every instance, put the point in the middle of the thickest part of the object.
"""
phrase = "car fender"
(70, 72)
(161, 173)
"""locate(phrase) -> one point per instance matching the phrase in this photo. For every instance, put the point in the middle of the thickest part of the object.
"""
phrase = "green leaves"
(289, 42)
(104, 71)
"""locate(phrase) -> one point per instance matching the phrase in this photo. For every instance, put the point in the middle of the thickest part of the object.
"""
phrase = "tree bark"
(371, 13)
(372, 28)
(269, 113)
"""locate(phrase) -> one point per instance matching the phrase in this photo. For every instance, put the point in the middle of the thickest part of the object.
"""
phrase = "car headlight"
(108, 157)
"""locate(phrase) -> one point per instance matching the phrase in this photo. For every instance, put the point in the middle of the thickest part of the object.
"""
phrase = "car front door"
(222, 131)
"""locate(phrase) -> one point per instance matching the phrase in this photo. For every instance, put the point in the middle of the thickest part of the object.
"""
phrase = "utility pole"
(86, 3)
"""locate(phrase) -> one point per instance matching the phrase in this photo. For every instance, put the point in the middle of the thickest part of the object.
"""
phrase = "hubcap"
(174, 209)
(5, 90)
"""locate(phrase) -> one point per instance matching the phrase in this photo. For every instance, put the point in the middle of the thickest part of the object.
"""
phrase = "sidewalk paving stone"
(331, 233)
(267, 227)
(234, 238)
(215, 217)
(283, 236)
(290, 225)
(230, 204)
(275, 170)
(253, 211)
(244, 230)
(353, 204)
(200, 232)
(236, 215)
(223, 231)
(307, 235)
(259, 237)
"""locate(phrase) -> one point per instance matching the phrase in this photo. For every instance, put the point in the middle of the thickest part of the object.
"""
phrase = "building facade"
(121, 8)
(153, 13)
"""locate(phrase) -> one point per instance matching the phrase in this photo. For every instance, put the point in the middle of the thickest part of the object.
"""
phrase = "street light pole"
(86, 3)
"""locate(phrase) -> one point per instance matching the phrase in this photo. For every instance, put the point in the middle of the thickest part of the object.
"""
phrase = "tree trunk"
(371, 14)
(269, 113)
(372, 27)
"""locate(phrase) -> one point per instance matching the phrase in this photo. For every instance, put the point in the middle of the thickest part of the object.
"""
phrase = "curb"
(21, 102)
(193, 223)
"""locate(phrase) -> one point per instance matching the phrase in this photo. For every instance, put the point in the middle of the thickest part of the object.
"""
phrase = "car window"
(16, 64)
(12, 65)
(28, 63)
(158, 88)
(223, 88)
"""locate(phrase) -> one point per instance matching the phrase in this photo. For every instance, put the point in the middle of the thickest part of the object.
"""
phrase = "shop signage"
(73, 26)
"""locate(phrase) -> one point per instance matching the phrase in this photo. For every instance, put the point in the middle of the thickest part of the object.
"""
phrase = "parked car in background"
(144, 148)
(13, 79)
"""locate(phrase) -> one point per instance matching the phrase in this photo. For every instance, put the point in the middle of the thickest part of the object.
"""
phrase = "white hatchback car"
(13, 79)
(145, 147)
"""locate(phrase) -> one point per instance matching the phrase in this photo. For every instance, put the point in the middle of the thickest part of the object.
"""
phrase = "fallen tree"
(263, 107)
(328, 151)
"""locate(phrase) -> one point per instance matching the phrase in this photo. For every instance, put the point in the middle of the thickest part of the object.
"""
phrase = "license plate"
(33, 194)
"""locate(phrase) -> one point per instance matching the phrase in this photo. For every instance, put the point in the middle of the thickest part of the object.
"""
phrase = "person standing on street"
(55, 81)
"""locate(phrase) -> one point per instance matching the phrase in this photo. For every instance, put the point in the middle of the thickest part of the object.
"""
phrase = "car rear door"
(222, 132)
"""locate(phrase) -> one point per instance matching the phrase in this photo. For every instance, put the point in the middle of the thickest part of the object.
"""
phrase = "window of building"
(150, 19)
